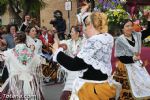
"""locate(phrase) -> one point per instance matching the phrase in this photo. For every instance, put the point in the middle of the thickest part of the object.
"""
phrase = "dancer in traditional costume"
(73, 47)
(24, 71)
(31, 32)
(32, 40)
(130, 70)
(94, 60)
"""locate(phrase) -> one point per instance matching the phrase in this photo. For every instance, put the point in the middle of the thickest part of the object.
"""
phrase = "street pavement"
(52, 91)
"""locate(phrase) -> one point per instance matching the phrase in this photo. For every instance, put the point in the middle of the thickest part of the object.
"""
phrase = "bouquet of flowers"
(114, 10)
(116, 15)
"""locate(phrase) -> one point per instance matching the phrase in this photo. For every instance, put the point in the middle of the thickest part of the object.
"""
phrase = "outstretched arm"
(73, 64)
(25, 23)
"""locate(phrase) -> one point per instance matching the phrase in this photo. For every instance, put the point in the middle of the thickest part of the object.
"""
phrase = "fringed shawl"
(123, 48)
(24, 78)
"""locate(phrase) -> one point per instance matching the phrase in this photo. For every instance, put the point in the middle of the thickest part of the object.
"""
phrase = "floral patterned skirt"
(120, 75)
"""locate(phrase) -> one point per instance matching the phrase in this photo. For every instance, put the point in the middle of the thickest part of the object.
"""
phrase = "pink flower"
(24, 51)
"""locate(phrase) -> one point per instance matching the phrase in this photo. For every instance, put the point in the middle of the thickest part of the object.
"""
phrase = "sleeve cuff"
(56, 53)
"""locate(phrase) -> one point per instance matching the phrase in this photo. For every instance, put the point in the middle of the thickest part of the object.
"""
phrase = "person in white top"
(94, 60)
(24, 71)
(33, 41)
(73, 47)
(31, 32)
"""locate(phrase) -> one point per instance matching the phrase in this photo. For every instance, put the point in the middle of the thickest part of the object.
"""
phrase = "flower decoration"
(23, 54)
(114, 10)
(110, 4)
(115, 16)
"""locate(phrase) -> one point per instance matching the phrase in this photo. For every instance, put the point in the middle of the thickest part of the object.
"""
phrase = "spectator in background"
(59, 24)
(25, 24)
(47, 38)
(9, 38)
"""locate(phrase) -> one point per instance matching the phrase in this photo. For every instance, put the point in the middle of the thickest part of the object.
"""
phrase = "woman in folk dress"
(24, 70)
(94, 60)
(130, 70)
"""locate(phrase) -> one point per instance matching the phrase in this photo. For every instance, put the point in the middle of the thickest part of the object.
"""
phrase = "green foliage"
(3, 5)
(115, 16)
(146, 44)
(3, 2)
(147, 8)
(114, 10)
(33, 7)
(26, 6)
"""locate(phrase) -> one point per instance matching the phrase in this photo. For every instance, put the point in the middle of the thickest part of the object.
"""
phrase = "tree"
(19, 8)
(3, 4)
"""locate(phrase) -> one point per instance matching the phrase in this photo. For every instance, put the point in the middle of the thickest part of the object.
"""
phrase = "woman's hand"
(146, 63)
(27, 20)
(136, 57)
(64, 46)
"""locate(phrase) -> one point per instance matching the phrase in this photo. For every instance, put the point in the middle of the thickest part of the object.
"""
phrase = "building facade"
(46, 14)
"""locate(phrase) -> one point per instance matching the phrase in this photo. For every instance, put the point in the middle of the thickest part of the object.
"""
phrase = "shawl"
(123, 48)
(24, 72)
(97, 52)
(23, 53)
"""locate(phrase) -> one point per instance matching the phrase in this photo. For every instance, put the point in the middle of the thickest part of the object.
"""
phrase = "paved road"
(52, 92)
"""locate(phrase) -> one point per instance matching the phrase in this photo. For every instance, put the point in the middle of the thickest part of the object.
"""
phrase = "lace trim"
(105, 68)
(98, 54)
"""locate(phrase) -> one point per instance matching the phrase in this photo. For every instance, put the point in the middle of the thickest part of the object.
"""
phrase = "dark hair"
(76, 28)
(20, 37)
(11, 25)
(92, 4)
(123, 22)
(29, 28)
(58, 14)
